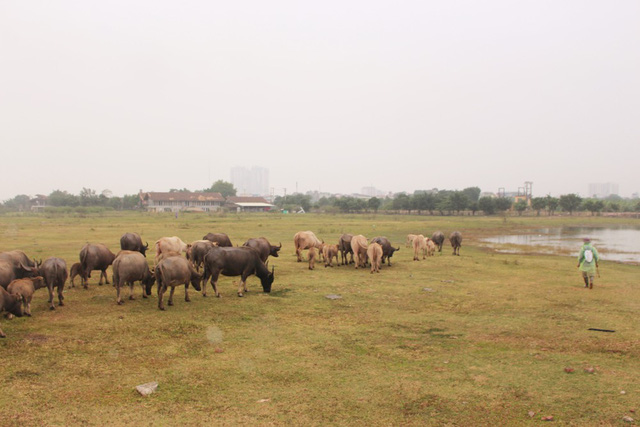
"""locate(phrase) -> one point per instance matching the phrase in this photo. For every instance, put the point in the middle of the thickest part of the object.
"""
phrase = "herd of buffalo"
(21, 276)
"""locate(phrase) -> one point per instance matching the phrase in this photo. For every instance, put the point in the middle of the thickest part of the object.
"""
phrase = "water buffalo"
(409, 243)
(312, 255)
(75, 270)
(11, 303)
(15, 265)
(304, 240)
(95, 256)
(54, 272)
(387, 249)
(263, 247)
(456, 242)
(419, 246)
(220, 238)
(241, 262)
(431, 246)
(329, 252)
(169, 244)
(359, 247)
(133, 242)
(171, 272)
(374, 252)
(197, 250)
(344, 246)
(26, 287)
(438, 239)
(130, 267)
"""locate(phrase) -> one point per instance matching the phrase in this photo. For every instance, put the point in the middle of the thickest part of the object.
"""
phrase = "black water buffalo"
(171, 272)
(75, 270)
(220, 238)
(263, 247)
(344, 246)
(438, 239)
(130, 267)
(241, 262)
(133, 242)
(15, 265)
(10, 303)
(197, 250)
(456, 242)
(387, 249)
(95, 256)
(54, 272)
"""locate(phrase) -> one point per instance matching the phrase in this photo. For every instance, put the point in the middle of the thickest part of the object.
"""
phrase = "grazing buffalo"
(11, 303)
(409, 243)
(197, 250)
(15, 265)
(438, 239)
(387, 249)
(329, 252)
(169, 244)
(456, 242)
(344, 246)
(171, 272)
(419, 246)
(312, 255)
(263, 247)
(374, 252)
(75, 270)
(54, 272)
(241, 262)
(304, 240)
(133, 242)
(25, 288)
(359, 247)
(431, 246)
(220, 238)
(95, 256)
(130, 267)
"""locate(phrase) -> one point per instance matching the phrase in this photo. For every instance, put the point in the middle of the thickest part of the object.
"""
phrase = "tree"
(487, 205)
(402, 202)
(552, 204)
(537, 204)
(458, 201)
(521, 206)
(62, 198)
(374, 203)
(593, 205)
(473, 207)
(503, 204)
(223, 187)
(21, 202)
(570, 202)
(88, 197)
(473, 193)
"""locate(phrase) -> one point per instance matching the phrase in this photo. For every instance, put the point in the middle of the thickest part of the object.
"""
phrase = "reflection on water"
(613, 244)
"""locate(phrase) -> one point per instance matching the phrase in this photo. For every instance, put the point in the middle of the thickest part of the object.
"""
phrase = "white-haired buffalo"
(10, 303)
(133, 242)
(264, 248)
(374, 252)
(329, 252)
(130, 267)
(456, 242)
(409, 242)
(304, 240)
(419, 246)
(242, 261)
(54, 272)
(387, 249)
(359, 245)
(169, 244)
(95, 256)
(173, 271)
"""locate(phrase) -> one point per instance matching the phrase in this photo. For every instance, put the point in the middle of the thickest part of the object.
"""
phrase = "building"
(250, 182)
(248, 204)
(602, 190)
(181, 201)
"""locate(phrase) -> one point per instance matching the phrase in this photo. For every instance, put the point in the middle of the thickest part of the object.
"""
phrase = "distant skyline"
(331, 96)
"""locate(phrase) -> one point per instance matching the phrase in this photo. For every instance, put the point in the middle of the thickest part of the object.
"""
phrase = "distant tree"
(487, 205)
(21, 202)
(570, 202)
(538, 203)
(637, 206)
(176, 190)
(88, 197)
(552, 204)
(402, 202)
(473, 193)
(459, 201)
(593, 206)
(520, 206)
(473, 207)
(223, 187)
(614, 206)
(63, 198)
(503, 204)
(374, 204)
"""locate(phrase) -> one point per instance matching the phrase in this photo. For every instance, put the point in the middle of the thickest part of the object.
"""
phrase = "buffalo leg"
(240, 287)
(186, 293)
(131, 297)
(161, 289)
(118, 287)
(2, 334)
(60, 296)
(173, 289)
(51, 307)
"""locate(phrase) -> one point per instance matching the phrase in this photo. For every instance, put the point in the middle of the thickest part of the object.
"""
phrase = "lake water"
(613, 244)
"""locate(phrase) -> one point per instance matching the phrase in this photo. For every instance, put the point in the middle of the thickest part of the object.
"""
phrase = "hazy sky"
(331, 95)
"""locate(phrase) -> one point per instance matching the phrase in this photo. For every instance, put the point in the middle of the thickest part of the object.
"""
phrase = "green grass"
(480, 339)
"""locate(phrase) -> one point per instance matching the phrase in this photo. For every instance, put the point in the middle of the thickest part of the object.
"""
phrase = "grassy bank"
(480, 339)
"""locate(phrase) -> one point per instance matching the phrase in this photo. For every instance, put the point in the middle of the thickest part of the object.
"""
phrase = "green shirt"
(589, 267)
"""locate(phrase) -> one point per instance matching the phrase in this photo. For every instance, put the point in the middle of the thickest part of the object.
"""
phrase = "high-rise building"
(603, 190)
(250, 182)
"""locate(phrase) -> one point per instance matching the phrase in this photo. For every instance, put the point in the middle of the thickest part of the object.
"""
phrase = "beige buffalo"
(431, 246)
(169, 244)
(329, 252)
(359, 245)
(374, 252)
(410, 238)
(305, 240)
(419, 246)
(312, 257)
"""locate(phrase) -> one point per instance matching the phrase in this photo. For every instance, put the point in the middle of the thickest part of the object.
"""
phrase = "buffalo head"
(268, 281)
(273, 250)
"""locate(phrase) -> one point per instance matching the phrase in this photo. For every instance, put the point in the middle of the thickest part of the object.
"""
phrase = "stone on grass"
(147, 389)
(333, 296)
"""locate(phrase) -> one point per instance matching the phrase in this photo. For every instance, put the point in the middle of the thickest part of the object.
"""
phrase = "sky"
(331, 96)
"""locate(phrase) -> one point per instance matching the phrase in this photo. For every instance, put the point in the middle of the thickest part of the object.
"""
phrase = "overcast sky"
(328, 95)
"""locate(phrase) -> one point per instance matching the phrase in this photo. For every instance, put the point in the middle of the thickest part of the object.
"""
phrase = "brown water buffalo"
(409, 243)
(18, 257)
(220, 238)
(15, 265)
(197, 250)
(11, 303)
(344, 246)
(456, 242)
(312, 255)
(241, 262)
(169, 244)
(95, 256)
(26, 287)
(374, 252)
(330, 252)
(263, 247)
(54, 272)
(438, 239)
(304, 240)
(171, 272)
(133, 242)
(387, 249)
(130, 267)
(419, 246)
(359, 247)
(75, 270)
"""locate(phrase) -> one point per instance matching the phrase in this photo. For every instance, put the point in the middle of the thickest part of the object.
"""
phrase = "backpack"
(588, 255)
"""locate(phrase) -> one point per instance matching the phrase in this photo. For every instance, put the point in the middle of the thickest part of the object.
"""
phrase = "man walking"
(588, 262)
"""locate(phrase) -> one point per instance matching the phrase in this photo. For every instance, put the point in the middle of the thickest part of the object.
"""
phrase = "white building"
(602, 190)
(250, 182)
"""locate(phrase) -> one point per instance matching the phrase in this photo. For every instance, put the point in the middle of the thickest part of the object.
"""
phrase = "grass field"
(480, 339)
